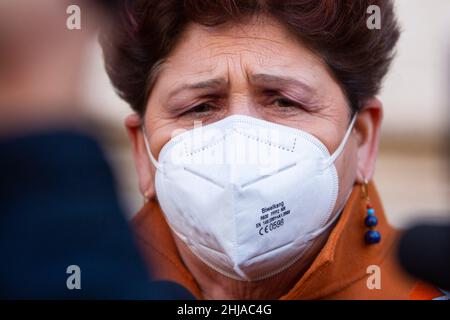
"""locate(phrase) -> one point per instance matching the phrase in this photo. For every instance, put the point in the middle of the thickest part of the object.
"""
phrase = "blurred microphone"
(424, 251)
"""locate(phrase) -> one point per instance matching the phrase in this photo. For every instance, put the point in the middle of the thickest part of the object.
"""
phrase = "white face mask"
(247, 196)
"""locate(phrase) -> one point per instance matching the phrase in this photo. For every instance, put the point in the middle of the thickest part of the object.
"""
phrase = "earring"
(371, 236)
(146, 197)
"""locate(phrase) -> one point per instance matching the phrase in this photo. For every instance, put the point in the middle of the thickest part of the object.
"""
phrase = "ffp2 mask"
(247, 217)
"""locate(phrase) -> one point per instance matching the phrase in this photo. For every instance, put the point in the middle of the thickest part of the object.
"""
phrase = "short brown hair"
(336, 30)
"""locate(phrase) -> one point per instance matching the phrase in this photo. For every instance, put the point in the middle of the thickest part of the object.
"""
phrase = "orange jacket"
(340, 270)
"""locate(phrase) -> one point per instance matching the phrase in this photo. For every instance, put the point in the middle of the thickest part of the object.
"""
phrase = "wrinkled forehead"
(241, 50)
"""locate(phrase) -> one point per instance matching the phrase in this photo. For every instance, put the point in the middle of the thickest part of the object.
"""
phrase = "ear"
(368, 127)
(133, 125)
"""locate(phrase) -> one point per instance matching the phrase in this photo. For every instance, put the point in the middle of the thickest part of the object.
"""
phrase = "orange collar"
(345, 256)
(342, 261)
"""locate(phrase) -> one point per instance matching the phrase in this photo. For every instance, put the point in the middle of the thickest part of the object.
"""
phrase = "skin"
(255, 64)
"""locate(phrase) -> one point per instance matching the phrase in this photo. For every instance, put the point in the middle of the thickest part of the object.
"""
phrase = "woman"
(291, 83)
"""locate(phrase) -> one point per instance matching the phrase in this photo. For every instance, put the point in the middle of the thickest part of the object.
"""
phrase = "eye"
(200, 110)
(283, 104)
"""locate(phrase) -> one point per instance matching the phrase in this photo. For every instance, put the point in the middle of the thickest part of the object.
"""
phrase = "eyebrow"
(260, 78)
(278, 81)
(207, 84)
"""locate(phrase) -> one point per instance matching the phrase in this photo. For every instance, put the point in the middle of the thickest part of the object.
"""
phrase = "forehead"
(257, 46)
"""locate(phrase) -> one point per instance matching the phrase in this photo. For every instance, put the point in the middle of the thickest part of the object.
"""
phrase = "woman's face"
(256, 69)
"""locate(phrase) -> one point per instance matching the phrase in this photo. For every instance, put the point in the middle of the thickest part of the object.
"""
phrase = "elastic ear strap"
(341, 147)
(149, 151)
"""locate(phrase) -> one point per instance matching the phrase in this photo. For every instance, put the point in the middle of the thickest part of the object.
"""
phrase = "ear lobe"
(133, 126)
(368, 127)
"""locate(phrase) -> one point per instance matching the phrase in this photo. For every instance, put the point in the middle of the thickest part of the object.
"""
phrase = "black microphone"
(424, 251)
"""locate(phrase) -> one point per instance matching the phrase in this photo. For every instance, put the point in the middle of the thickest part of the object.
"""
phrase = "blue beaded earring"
(371, 236)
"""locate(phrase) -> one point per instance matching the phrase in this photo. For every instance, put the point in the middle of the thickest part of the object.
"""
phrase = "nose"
(241, 100)
(242, 103)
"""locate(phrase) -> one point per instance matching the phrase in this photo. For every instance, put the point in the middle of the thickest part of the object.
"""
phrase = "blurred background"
(412, 171)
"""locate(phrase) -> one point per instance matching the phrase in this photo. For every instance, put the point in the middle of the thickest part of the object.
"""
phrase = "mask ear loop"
(155, 162)
(341, 147)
